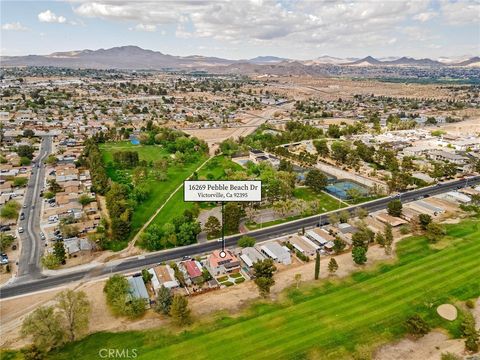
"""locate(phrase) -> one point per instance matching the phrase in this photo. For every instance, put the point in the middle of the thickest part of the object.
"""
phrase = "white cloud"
(301, 24)
(15, 26)
(461, 12)
(144, 27)
(50, 17)
(425, 16)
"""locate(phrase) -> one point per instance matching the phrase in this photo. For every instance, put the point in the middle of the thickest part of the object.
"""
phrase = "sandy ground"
(447, 311)
(471, 126)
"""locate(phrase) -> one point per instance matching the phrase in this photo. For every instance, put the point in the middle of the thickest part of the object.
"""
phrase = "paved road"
(139, 262)
(32, 246)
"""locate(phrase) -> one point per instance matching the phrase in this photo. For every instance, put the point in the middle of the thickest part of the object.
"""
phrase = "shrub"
(450, 356)
(239, 280)
(227, 283)
(470, 304)
(222, 278)
(416, 325)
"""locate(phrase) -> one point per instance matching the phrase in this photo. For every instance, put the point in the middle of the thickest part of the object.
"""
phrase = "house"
(250, 255)
(304, 245)
(319, 235)
(75, 245)
(193, 270)
(388, 219)
(163, 275)
(138, 289)
(426, 208)
(275, 251)
(218, 265)
(457, 197)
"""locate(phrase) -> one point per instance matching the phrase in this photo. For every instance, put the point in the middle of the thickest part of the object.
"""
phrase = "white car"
(20, 229)
(42, 236)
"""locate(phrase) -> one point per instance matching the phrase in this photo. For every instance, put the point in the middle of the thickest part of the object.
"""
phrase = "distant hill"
(266, 60)
(473, 62)
(122, 57)
(134, 57)
(367, 61)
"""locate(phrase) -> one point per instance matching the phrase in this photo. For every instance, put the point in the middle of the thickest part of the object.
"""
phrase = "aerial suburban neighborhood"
(157, 206)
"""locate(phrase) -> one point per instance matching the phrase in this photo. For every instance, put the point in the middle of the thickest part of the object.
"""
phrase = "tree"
(10, 210)
(263, 272)
(424, 220)
(74, 308)
(179, 310)
(338, 245)
(416, 325)
(388, 237)
(53, 186)
(361, 212)
(322, 147)
(25, 151)
(344, 216)
(317, 266)
(44, 326)
(146, 276)
(246, 241)
(233, 214)
(470, 333)
(213, 226)
(333, 218)
(359, 255)
(85, 199)
(332, 265)
(50, 261)
(59, 252)
(298, 278)
(6, 240)
(434, 232)
(164, 300)
(316, 180)
(28, 133)
(394, 208)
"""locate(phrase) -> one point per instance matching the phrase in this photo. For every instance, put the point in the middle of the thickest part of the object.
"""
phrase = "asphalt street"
(31, 245)
(139, 262)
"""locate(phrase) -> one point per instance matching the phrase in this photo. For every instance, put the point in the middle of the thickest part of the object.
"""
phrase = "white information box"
(222, 190)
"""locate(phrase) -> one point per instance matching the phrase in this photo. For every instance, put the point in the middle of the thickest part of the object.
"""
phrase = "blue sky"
(239, 29)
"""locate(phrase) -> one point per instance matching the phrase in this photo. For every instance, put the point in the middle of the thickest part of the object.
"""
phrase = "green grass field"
(176, 206)
(325, 320)
(328, 203)
(159, 190)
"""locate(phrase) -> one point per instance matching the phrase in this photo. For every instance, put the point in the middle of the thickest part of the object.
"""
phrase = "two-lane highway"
(31, 244)
(139, 262)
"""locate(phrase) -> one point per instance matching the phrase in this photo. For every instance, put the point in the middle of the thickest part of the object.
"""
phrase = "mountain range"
(134, 57)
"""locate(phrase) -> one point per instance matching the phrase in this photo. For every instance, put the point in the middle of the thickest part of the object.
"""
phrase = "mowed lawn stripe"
(376, 313)
(291, 323)
(295, 312)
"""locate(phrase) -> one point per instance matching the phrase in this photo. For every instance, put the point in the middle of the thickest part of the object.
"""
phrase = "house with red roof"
(218, 265)
(193, 270)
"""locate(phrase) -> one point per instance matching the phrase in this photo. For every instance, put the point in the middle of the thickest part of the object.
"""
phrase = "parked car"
(42, 236)
(22, 216)
(3, 259)
(20, 229)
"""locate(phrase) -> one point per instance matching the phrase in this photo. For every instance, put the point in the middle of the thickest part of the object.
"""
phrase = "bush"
(235, 275)
(416, 325)
(470, 304)
(450, 356)
(227, 283)
(302, 256)
(222, 278)
(239, 280)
